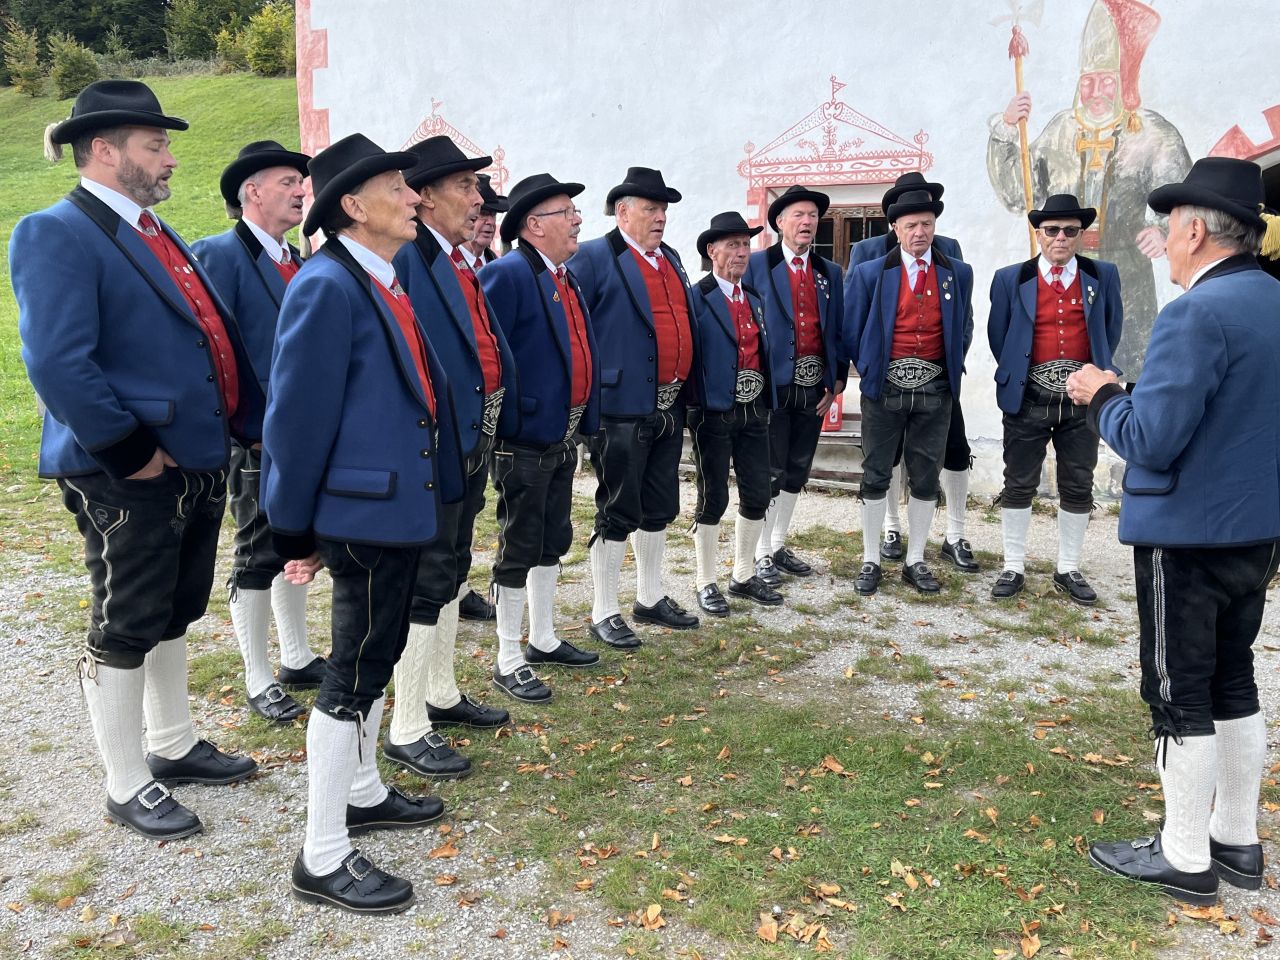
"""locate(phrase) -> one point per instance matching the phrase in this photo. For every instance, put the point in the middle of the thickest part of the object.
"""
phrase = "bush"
(22, 59)
(268, 40)
(231, 53)
(117, 59)
(73, 65)
(192, 26)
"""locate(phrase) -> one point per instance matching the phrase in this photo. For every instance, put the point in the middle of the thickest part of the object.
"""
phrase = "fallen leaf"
(1030, 946)
(768, 929)
(499, 934)
(444, 851)
(584, 885)
(724, 753)
(676, 895)
(1099, 816)
(446, 880)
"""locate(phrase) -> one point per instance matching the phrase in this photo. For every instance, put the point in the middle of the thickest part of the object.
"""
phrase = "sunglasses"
(1054, 231)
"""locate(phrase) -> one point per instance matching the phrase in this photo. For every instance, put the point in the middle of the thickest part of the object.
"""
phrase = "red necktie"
(1056, 283)
(922, 273)
(656, 257)
(797, 263)
(562, 274)
(737, 293)
(397, 291)
(148, 224)
(462, 266)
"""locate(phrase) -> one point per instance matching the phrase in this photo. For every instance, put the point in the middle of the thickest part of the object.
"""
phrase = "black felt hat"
(641, 182)
(1063, 206)
(907, 182)
(913, 201)
(527, 194)
(437, 157)
(492, 199)
(114, 103)
(797, 194)
(725, 225)
(1219, 183)
(342, 167)
(259, 155)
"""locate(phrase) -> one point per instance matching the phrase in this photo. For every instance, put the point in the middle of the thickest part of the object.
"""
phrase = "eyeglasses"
(568, 212)
(1067, 231)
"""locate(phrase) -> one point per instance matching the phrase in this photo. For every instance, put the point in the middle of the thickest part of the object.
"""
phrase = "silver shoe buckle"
(355, 871)
(157, 787)
(524, 674)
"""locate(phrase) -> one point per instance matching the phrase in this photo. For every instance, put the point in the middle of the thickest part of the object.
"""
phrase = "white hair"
(623, 200)
(1224, 229)
(255, 179)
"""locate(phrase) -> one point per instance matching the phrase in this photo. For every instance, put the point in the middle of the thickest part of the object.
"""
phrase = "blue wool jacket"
(770, 276)
(615, 294)
(1011, 326)
(1200, 434)
(527, 305)
(717, 379)
(115, 352)
(431, 280)
(351, 451)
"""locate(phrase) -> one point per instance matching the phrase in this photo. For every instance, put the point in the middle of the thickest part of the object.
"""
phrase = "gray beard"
(142, 188)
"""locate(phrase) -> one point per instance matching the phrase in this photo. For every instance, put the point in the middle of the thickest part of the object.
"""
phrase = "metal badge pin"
(555, 297)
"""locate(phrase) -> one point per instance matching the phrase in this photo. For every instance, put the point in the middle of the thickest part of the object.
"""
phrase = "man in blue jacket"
(803, 296)
(730, 421)
(958, 459)
(143, 374)
(637, 295)
(360, 455)
(907, 329)
(540, 308)
(1049, 317)
(251, 264)
(1202, 510)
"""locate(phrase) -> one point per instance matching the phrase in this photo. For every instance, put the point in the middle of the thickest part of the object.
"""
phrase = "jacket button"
(475, 426)
(479, 389)
(1022, 383)
(651, 359)
(209, 378)
(651, 336)
(793, 343)
(217, 413)
(426, 453)
(428, 485)
(200, 343)
(422, 423)
(651, 379)
(1026, 354)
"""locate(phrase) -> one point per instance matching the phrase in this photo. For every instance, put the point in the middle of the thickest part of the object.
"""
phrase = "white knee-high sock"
(764, 546)
(706, 544)
(650, 548)
(1071, 529)
(114, 698)
(919, 519)
(1188, 773)
(332, 751)
(873, 512)
(510, 622)
(409, 721)
(782, 523)
(1014, 524)
(250, 616)
(893, 499)
(367, 789)
(442, 678)
(541, 587)
(289, 605)
(746, 536)
(169, 730)
(1242, 756)
(606, 569)
(955, 484)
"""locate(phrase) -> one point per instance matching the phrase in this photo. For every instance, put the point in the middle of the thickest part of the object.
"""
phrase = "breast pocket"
(361, 483)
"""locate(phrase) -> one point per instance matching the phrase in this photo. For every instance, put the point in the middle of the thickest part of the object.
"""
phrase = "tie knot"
(395, 288)
(921, 265)
(1055, 271)
(737, 293)
(797, 262)
(456, 257)
(561, 273)
(148, 223)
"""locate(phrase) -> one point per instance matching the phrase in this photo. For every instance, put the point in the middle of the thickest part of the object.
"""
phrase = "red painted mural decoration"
(313, 54)
(832, 145)
(1236, 143)
(436, 125)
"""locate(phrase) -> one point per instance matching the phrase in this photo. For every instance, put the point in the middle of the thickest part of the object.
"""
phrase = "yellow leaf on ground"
(1030, 946)
(768, 929)
(445, 851)
(724, 753)
(446, 880)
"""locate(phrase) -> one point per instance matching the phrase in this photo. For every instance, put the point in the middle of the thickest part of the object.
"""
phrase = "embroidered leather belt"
(750, 385)
(575, 418)
(668, 393)
(909, 373)
(492, 409)
(809, 371)
(1053, 375)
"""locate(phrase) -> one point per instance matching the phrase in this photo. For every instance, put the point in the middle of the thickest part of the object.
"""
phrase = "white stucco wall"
(585, 89)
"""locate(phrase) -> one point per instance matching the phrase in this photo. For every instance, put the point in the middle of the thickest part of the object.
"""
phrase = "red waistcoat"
(917, 330)
(1061, 333)
(402, 310)
(748, 334)
(579, 346)
(804, 312)
(486, 342)
(670, 318)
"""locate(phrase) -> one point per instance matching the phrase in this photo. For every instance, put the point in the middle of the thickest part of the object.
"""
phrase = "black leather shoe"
(304, 678)
(276, 706)
(767, 572)
(1239, 864)
(467, 713)
(204, 763)
(357, 887)
(712, 601)
(522, 684)
(891, 546)
(475, 607)
(565, 655)
(960, 553)
(788, 562)
(868, 581)
(1144, 860)
(154, 814)
(1009, 584)
(429, 757)
(615, 632)
(665, 613)
(1075, 586)
(755, 590)
(920, 577)
(396, 812)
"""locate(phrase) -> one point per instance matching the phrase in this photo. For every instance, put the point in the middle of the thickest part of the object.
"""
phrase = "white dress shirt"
(912, 270)
(122, 206)
(275, 250)
(1068, 271)
(380, 269)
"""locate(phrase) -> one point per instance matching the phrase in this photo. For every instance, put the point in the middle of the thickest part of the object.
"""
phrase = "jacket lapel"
(1027, 291)
(632, 278)
(551, 302)
(780, 278)
(444, 275)
(1089, 285)
(709, 290)
(890, 285)
(262, 261)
